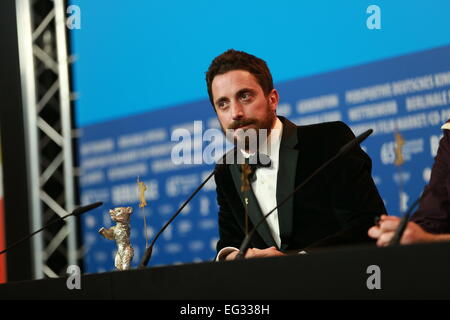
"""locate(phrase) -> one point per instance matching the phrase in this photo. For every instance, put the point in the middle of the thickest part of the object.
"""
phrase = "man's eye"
(222, 105)
(245, 96)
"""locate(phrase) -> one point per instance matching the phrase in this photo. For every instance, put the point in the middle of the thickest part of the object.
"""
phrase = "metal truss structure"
(44, 68)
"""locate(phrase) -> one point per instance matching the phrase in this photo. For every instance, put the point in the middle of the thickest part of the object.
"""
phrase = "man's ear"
(273, 99)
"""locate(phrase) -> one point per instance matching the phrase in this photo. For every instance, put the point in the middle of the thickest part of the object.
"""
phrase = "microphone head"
(350, 145)
(364, 135)
(80, 210)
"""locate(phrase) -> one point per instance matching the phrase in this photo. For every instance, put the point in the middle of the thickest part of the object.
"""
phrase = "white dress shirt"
(265, 185)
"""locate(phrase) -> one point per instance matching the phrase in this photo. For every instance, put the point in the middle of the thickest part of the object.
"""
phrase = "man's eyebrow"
(244, 90)
(241, 91)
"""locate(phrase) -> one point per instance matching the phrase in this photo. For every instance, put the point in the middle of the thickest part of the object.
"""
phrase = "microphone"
(351, 144)
(344, 149)
(149, 250)
(78, 211)
(404, 221)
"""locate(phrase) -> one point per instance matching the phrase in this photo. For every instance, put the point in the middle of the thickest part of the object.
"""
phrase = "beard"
(255, 133)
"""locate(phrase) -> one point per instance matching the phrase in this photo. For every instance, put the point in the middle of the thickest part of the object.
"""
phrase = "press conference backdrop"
(139, 74)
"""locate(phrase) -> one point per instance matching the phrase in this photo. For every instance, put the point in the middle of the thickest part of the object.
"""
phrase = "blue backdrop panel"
(407, 94)
(136, 56)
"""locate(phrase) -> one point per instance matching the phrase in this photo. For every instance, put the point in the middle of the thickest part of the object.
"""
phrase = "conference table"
(363, 272)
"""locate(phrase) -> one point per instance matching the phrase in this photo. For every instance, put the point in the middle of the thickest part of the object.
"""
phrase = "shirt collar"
(272, 147)
(446, 126)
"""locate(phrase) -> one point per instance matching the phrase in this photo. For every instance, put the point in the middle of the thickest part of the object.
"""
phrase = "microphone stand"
(404, 221)
(149, 250)
(76, 212)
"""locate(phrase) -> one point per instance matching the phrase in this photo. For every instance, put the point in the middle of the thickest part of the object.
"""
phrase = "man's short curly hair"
(239, 60)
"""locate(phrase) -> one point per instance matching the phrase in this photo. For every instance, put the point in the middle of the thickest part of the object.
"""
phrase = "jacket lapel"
(287, 171)
(254, 211)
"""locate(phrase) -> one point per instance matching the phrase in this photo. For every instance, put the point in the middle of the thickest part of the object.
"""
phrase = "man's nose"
(237, 111)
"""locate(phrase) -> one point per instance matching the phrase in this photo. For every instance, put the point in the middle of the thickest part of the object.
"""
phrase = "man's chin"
(243, 144)
(246, 139)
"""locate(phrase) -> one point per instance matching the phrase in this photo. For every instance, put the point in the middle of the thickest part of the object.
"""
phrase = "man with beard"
(335, 208)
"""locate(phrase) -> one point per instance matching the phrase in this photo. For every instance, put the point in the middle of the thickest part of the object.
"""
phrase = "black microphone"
(78, 211)
(404, 221)
(149, 250)
(344, 149)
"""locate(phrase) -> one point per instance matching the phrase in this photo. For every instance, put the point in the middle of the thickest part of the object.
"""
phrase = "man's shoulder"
(326, 132)
(331, 126)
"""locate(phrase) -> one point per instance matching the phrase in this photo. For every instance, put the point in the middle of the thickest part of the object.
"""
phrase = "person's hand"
(386, 229)
(257, 253)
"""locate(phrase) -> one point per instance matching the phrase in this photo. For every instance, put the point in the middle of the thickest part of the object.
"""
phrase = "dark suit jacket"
(434, 211)
(336, 207)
